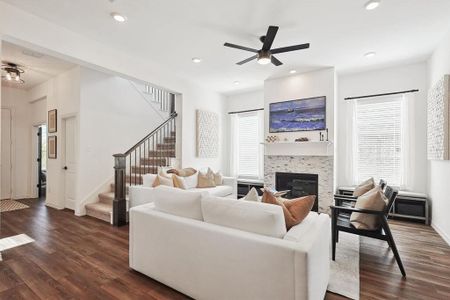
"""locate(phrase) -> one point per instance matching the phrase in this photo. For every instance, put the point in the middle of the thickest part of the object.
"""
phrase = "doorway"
(42, 160)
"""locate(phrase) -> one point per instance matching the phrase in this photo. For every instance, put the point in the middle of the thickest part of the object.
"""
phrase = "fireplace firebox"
(298, 184)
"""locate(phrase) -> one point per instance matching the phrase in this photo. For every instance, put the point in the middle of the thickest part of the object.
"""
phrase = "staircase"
(155, 150)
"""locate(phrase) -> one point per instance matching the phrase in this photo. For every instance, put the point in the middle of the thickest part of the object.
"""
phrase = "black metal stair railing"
(153, 151)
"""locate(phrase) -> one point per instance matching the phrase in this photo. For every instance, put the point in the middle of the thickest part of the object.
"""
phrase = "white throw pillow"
(188, 182)
(178, 202)
(148, 180)
(252, 195)
(261, 218)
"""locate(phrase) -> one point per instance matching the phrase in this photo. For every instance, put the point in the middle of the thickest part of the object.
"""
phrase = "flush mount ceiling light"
(12, 72)
(196, 60)
(293, 71)
(236, 82)
(370, 54)
(118, 17)
(372, 4)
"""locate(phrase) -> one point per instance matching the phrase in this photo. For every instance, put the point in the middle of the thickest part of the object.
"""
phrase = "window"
(247, 150)
(380, 149)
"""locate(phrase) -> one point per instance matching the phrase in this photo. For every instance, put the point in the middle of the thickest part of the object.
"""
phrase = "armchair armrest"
(359, 210)
(231, 181)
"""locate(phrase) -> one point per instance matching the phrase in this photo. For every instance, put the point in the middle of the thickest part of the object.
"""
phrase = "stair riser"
(105, 199)
(169, 140)
(135, 180)
(153, 161)
(144, 169)
(127, 190)
(165, 147)
(164, 153)
(98, 215)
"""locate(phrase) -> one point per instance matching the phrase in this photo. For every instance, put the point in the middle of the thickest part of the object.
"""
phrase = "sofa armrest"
(140, 195)
(231, 181)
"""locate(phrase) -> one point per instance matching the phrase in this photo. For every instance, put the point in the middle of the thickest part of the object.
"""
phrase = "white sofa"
(142, 194)
(209, 261)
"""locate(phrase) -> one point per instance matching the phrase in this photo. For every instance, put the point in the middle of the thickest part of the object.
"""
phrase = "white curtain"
(351, 143)
(407, 143)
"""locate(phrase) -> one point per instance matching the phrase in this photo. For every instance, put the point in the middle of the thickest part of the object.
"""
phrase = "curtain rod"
(244, 111)
(379, 95)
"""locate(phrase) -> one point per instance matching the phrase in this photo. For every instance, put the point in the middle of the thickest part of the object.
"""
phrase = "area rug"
(344, 277)
(14, 241)
(10, 205)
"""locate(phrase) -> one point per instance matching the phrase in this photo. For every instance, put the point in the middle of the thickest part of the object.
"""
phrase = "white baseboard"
(54, 206)
(441, 232)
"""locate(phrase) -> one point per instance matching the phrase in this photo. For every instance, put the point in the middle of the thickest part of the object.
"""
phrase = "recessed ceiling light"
(236, 82)
(196, 60)
(370, 54)
(372, 4)
(293, 71)
(118, 17)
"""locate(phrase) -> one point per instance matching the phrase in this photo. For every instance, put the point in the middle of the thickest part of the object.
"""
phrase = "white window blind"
(379, 140)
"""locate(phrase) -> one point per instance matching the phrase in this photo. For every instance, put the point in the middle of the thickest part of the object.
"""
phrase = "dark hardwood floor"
(83, 258)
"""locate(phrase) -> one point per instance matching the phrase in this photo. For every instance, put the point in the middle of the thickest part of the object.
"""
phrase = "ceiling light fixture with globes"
(12, 73)
(371, 5)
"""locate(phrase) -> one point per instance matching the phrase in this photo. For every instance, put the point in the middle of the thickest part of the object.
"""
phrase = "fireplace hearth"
(298, 184)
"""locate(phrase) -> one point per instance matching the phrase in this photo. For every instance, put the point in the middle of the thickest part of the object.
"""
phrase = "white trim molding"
(441, 232)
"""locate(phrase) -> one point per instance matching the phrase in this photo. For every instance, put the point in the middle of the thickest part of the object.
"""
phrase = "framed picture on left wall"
(52, 147)
(52, 121)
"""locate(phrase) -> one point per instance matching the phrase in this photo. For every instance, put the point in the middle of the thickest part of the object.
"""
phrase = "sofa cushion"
(178, 202)
(296, 232)
(248, 216)
(364, 187)
(218, 191)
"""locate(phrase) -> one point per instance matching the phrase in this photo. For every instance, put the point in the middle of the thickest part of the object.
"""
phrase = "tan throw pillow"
(373, 200)
(218, 178)
(206, 180)
(252, 195)
(162, 180)
(364, 187)
(295, 210)
(185, 183)
(183, 172)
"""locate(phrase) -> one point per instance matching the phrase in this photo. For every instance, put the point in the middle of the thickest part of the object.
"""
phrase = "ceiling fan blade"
(240, 47)
(270, 36)
(247, 60)
(290, 48)
(275, 61)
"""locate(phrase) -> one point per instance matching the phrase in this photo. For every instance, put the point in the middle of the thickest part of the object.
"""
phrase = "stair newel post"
(119, 202)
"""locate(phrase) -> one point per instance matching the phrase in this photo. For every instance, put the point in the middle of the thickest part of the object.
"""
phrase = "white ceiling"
(37, 67)
(172, 32)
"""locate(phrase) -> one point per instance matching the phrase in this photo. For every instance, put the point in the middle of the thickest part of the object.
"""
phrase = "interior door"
(6, 163)
(70, 161)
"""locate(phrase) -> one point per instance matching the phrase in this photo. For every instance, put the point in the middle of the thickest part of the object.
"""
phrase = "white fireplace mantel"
(307, 148)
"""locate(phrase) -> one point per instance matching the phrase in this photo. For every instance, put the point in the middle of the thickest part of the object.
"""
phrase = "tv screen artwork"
(298, 115)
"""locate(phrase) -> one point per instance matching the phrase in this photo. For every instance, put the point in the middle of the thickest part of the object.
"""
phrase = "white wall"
(306, 85)
(383, 81)
(113, 117)
(245, 101)
(439, 171)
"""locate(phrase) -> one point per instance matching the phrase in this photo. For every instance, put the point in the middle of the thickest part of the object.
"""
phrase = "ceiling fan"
(265, 55)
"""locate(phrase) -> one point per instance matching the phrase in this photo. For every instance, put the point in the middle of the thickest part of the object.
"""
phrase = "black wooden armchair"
(340, 218)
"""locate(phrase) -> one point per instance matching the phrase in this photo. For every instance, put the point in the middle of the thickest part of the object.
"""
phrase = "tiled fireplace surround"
(321, 165)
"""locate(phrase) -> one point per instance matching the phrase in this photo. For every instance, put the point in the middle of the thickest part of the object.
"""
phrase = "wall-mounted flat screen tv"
(298, 115)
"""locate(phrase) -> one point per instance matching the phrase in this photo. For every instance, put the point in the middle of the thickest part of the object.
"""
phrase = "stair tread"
(109, 195)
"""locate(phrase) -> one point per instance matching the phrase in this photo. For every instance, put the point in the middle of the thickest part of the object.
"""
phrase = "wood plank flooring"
(83, 258)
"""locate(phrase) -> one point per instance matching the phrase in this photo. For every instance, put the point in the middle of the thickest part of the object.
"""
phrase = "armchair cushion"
(364, 187)
(372, 200)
